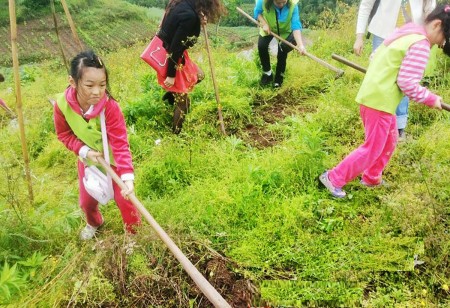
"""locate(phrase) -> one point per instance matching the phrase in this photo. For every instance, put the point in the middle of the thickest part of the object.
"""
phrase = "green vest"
(271, 18)
(379, 89)
(88, 132)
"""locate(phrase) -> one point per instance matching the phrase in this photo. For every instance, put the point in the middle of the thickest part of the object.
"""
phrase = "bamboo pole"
(214, 297)
(72, 25)
(55, 21)
(15, 58)
(338, 71)
(213, 77)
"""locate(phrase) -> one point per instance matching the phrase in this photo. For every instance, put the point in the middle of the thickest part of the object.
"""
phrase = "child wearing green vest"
(396, 70)
(281, 17)
(77, 125)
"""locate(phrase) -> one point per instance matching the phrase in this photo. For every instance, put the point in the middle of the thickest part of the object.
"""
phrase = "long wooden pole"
(214, 297)
(55, 21)
(349, 63)
(72, 25)
(338, 71)
(357, 67)
(15, 57)
(213, 76)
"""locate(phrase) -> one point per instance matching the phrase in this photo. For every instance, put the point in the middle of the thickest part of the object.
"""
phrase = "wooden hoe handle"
(214, 297)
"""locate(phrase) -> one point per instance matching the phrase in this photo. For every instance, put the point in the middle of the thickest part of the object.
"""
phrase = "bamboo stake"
(72, 25)
(15, 58)
(338, 71)
(214, 297)
(55, 21)
(213, 76)
(357, 67)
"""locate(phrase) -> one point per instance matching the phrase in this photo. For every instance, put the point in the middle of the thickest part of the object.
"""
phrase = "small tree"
(35, 5)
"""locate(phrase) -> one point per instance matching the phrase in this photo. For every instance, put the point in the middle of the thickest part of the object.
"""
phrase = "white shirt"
(385, 19)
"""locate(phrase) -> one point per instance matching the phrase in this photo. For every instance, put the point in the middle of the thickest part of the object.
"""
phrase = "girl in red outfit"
(85, 98)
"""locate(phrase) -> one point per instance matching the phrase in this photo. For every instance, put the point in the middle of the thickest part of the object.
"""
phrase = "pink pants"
(372, 156)
(89, 205)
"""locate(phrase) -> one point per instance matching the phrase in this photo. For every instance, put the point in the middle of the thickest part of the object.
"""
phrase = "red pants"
(372, 156)
(130, 215)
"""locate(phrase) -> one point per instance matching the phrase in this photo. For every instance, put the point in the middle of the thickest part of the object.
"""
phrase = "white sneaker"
(337, 192)
(88, 232)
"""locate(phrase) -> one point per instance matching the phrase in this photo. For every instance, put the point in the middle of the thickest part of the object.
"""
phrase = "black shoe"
(278, 82)
(266, 79)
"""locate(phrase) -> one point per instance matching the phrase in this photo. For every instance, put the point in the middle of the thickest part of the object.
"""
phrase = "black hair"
(86, 59)
(268, 4)
(442, 13)
(2, 78)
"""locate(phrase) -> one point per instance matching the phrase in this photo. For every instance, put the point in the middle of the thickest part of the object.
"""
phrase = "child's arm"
(65, 133)
(118, 139)
(411, 73)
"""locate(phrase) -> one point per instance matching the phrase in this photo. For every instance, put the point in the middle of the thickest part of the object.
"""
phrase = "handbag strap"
(105, 147)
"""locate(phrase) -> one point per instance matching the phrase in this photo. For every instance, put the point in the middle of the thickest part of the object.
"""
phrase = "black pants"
(283, 50)
(182, 104)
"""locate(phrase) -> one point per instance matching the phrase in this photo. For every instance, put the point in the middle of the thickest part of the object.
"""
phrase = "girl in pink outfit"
(396, 70)
(84, 99)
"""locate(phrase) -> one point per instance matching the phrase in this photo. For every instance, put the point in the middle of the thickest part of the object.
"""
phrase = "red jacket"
(115, 129)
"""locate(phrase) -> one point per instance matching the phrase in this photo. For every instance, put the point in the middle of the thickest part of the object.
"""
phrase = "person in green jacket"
(281, 17)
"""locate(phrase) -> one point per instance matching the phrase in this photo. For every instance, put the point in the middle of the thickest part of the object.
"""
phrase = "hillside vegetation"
(245, 208)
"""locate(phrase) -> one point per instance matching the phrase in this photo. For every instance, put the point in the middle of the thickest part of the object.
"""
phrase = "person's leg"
(282, 54)
(263, 51)
(376, 42)
(182, 103)
(372, 176)
(169, 97)
(402, 115)
(200, 75)
(87, 203)
(264, 57)
(377, 126)
(130, 215)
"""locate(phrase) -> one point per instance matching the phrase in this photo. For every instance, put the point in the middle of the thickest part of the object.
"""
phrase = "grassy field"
(245, 208)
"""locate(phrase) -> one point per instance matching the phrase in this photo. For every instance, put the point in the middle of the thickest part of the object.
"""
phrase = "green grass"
(259, 207)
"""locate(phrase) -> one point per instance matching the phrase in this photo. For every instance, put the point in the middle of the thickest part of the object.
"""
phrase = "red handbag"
(157, 57)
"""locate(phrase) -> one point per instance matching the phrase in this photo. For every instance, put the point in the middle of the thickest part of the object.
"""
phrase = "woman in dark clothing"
(179, 31)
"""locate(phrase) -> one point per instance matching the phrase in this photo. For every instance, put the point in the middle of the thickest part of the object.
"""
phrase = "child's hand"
(437, 103)
(92, 155)
(129, 190)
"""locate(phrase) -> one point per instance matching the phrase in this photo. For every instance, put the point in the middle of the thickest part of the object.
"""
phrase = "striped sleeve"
(411, 73)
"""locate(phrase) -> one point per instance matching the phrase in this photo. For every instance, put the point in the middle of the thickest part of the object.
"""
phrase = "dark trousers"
(283, 50)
